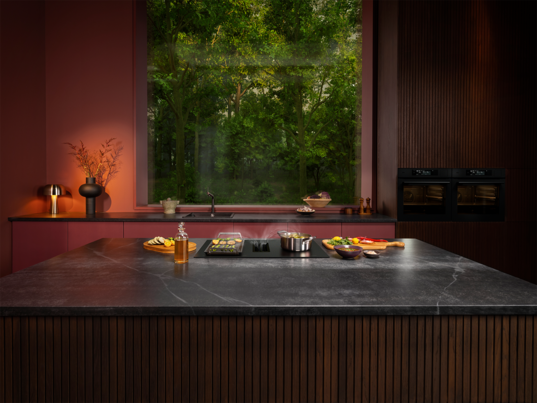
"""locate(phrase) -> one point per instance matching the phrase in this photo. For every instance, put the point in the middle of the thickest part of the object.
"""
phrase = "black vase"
(90, 190)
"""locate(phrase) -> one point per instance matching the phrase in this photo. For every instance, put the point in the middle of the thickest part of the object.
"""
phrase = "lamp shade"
(54, 190)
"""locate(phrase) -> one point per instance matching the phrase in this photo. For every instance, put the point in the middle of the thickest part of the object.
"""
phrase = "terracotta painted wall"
(22, 116)
(89, 97)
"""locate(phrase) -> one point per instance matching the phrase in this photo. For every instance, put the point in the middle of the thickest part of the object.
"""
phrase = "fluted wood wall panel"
(467, 98)
(329, 359)
(466, 84)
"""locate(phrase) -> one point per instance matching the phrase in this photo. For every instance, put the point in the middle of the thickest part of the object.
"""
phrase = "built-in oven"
(424, 194)
(478, 194)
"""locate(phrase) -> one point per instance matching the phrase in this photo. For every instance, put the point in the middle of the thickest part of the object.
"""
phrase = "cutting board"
(171, 249)
(373, 246)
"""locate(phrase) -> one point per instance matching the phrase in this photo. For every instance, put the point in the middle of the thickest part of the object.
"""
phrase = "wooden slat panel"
(319, 359)
(73, 355)
(241, 333)
(232, 354)
(217, 389)
(113, 359)
(193, 359)
(145, 361)
(280, 361)
(482, 357)
(41, 360)
(248, 357)
(350, 354)
(457, 358)
(405, 359)
(513, 367)
(271, 362)
(208, 393)
(311, 358)
(263, 384)
(57, 369)
(65, 370)
(133, 361)
(530, 366)
(169, 359)
(200, 359)
(334, 356)
(505, 359)
(153, 358)
(32, 359)
(288, 359)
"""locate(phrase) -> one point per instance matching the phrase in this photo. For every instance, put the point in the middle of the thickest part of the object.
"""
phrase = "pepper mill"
(368, 208)
(361, 211)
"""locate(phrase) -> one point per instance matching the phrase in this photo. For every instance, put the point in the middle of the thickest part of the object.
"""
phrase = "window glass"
(257, 101)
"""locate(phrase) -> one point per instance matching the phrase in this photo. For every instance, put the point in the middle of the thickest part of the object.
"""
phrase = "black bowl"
(345, 254)
(305, 212)
(371, 254)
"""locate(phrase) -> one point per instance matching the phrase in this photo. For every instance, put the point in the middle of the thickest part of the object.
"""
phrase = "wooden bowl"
(317, 203)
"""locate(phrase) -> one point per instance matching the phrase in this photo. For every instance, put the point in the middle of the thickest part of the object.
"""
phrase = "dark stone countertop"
(317, 217)
(117, 276)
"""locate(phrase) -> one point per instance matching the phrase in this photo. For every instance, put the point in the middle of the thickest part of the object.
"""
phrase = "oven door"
(423, 200)
(478, 200)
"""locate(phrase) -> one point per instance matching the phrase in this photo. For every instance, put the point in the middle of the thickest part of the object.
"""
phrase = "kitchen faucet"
(212, 203)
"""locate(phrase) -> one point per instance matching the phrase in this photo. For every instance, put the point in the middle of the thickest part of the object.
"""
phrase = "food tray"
(229, 244)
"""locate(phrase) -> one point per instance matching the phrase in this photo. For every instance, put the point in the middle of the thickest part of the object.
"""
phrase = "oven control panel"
(425, 172)
(478, 172)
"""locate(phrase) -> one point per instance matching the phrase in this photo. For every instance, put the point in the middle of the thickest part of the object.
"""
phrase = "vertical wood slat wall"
(467, 99)
(306, 359)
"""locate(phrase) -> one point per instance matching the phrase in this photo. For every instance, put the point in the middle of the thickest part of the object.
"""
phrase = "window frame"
(368, 165)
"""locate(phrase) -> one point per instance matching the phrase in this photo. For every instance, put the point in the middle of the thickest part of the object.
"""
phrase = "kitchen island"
(113, 321)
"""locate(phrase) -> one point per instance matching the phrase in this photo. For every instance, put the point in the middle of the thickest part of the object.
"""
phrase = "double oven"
(446, 194)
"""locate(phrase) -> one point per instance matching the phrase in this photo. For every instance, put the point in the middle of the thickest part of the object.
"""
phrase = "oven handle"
(426, 182)
(480, 183)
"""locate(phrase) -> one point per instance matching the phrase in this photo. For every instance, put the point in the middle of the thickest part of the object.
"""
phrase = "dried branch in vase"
(102, 164)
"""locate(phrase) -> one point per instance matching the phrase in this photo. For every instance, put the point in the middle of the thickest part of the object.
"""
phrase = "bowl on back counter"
(305, 210)
(348, 251)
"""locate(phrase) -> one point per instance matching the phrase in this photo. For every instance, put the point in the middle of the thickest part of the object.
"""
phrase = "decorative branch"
(102, 164)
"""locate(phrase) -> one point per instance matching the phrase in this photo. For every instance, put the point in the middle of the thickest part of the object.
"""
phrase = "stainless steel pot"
(288, 242)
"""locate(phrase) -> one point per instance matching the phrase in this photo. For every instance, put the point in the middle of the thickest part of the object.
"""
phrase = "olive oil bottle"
(181, 245)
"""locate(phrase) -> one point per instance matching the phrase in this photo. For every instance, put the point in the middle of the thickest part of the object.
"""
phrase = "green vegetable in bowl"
(342, 241)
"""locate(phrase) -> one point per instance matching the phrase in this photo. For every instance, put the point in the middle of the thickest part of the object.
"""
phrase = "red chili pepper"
(370, 240)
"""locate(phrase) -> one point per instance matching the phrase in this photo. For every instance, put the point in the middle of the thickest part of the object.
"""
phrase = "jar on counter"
(181, 245)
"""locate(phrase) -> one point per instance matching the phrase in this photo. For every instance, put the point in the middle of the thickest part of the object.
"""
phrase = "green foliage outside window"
(258, 101)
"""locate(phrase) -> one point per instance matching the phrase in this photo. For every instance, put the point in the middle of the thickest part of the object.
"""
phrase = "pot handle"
(279, 233)
(311, 238)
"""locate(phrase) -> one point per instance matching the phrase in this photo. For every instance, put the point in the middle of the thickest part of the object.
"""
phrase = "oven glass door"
(425, 199)
(479, 199)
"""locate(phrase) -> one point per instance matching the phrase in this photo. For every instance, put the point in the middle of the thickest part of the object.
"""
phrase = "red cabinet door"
(82, 233)
(318, 230)
(167, 229)
(34, 242)
(370, 230)
(260, 230)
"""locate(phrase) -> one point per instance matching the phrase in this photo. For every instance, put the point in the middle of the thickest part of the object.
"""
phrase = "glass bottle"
(181, 245)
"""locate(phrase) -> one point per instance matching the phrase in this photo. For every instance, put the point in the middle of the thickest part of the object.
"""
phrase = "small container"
(181, 245)
(348, 211)
(371, 254)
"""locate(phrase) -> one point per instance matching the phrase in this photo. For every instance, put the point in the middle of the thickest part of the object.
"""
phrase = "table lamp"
(54, 191)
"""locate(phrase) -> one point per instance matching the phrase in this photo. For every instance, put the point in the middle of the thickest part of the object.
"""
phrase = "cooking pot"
(289, 242)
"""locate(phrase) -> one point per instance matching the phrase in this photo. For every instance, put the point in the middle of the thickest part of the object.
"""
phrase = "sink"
(208, 215)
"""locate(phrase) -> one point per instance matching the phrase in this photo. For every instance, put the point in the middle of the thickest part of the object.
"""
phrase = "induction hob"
(266, 248)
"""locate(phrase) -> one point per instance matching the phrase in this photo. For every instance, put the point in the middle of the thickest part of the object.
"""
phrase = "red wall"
(22, 116)
(89, 97)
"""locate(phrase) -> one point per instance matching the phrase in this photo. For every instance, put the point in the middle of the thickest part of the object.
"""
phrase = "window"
(257, 101)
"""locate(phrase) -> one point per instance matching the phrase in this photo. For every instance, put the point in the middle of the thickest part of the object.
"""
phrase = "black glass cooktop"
(266, 248)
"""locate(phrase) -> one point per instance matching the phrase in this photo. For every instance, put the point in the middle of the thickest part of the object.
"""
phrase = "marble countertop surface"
(317, 217)
(116, 276)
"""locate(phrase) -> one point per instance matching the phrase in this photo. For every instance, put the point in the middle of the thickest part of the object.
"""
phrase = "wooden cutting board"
(373, 246)
(171, 249)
